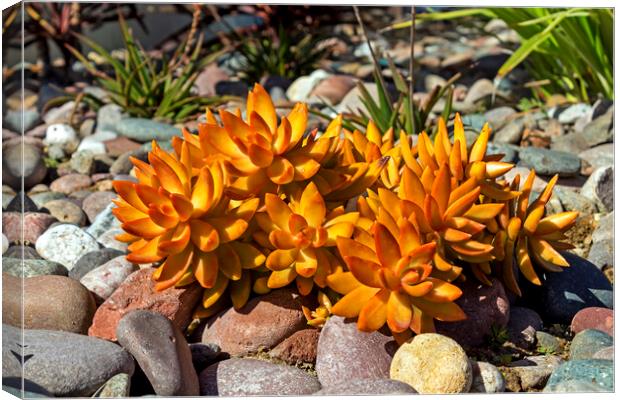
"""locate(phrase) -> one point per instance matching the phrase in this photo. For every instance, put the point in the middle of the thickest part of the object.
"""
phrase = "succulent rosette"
(179, 216)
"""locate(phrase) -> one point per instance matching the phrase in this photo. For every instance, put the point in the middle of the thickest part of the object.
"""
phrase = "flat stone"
(120, 145)
(531, 373)
(550, 162)
(161, 350)
(92, 260)
(333, 88)
(599, 156)
(300, 347)
(66, 211)
(49, 302)
(27, 267)
(606, 353)
(563, 294)
(346, 354)
(71, 183)
(63, 363)
(249, 377)
(604, 229)
(144, 130)
(595, 372)
(432, 363)
(367, 387)
(108, 240)
(599, 318)
(486, 378)
(599, 130)
(587, 342)
(105, 279)
(499, 117)
(137, 292)
(509, 151)
(65, 244)
(485, 307)
(96, 203)
(262, 323)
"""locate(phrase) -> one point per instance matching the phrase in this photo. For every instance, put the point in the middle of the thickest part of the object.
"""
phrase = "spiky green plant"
(150, 88)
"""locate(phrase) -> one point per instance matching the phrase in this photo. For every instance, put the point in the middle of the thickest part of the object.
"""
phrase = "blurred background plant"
(565, 50)
(148, 87)
(281, 53)
(406, 114)
(56, 23)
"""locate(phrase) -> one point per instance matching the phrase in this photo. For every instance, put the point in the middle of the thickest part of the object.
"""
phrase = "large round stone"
(432, 363)
(49, 302)
(25, 160)
(346, 354)
(65, 244)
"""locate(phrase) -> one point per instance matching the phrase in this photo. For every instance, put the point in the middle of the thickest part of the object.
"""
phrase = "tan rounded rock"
(432, 364)
(50, 302)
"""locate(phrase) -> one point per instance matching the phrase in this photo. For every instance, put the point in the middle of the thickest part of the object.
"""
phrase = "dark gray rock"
(368, 387)
(250, 377)
(510, 152)
(41, 198)
(345, 354)
(534, 371)
(593, 372)
(63, 363)
(550, 162)
(92, 260)
(599, 130)
(523, 325)
(564, 293)
(29, 267)
(161, 350)
(587, 342)
(602, 253)
(486, 307)
(19, 251)
(573, 201)
(498, 117)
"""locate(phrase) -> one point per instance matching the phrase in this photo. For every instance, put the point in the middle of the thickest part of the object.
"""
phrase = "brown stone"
(300, 347)
(94, 203)
(49, 301)
(262, 323)
(138, 293)
(34, 224)
(70, 183)
(334, 88)
(120, 145)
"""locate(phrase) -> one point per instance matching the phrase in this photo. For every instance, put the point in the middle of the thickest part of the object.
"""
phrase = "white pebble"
(65, 244)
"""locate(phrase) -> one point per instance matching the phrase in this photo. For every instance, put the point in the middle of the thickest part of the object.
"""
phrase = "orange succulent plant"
(250, 205)
(179, 215)
(389, 280)
(300, 234)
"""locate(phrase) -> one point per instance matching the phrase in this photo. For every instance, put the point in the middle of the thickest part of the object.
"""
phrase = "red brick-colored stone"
(594, 318)
(263, 322)
(138, 293)
(334, 88)
(299, 347)
(120, 145)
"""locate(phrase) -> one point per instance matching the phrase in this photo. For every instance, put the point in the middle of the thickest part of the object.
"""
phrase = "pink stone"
(34, 224)
(594, 318)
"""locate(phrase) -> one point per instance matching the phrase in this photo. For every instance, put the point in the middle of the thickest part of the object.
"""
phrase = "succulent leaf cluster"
(379, 229)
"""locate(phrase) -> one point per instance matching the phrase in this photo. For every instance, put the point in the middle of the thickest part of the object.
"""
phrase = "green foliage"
(406, 114)
(287, 55)
(150, 88)
(498, 336)
(545, 350)
(570, 50)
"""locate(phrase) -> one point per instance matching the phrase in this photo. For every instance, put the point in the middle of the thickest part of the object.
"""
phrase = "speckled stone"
(367, 387)
(596, 372)
(29, 267)
(105, 279)
(486, 378)
(250, 377)
(65, 244)
(587, 342)
(432, 363)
